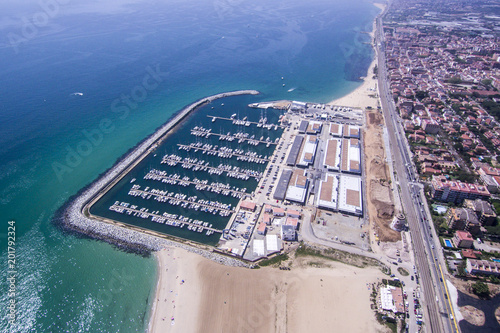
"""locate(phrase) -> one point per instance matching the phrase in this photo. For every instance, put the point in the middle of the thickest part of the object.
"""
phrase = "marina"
(262, 123)
(173, 220)
(200, 185)
(176, 199)
(241, 137)
(200, 165)
(196, 173)
(225, 152)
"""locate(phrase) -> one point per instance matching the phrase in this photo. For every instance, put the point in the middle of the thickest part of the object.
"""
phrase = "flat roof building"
(351, 156)
(281, 187)
(331, 159)
(304, 124)
(248, 205)
(297, 188)
(350, 195)
(391, 299)
(314, 127)
(272, 243)
(308, 151)
(351, 131)
(336, 130)
(328, 193)
(294, 150)
(288, 233)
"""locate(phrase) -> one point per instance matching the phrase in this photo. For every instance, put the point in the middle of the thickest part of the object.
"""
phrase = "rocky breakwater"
(75, 216)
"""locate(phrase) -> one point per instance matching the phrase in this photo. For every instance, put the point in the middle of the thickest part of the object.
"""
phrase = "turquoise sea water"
(136, 63)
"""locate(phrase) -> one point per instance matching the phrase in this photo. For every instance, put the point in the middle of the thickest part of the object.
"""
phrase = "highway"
(429, 259)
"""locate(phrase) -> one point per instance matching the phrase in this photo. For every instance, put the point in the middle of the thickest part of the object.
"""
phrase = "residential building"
(463, 239)
(482, 267)
(463, 219)
(456, 191)
(288, 233)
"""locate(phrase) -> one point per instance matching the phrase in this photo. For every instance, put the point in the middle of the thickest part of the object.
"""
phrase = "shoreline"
(359, 97)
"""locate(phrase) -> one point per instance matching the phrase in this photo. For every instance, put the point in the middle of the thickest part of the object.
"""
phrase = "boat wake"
(291, 89)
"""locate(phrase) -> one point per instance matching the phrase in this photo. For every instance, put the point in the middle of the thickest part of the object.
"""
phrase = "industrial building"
(351, 131)
(281, 187)
(308, 152)
(298, 186)
(328, 193)
(350, 195)
(331, 159)
(336, 130)
(304, 124)
(314, 127)
(294, 150)
(351, 156)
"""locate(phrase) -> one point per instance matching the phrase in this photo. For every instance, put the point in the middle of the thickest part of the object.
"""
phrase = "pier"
(200, 185)
(177, 199)
(247, 123)
(225, 152)
(200, 165)
(240, 136)
(168, 219)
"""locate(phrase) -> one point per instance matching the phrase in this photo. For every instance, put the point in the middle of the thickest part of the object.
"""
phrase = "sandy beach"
(218, 298)
(365, 95)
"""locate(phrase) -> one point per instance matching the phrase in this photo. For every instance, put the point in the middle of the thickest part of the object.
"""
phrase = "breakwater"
(77, 217)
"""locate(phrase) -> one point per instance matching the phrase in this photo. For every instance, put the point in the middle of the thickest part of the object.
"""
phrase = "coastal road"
(437, 301)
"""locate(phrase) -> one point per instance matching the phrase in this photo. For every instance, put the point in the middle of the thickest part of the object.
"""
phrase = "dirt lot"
(472, 315)
(380, 197)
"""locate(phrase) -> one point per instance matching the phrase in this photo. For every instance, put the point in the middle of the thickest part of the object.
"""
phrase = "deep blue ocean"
(84, 81)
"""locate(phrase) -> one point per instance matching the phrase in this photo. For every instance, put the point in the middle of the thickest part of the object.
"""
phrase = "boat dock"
(240, 136)
(247, 123)
(200, 185)
(200, 165)
(183, 200)
(165, 218)
(225, 152)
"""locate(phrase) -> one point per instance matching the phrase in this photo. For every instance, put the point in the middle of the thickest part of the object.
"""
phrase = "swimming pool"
(448, 243)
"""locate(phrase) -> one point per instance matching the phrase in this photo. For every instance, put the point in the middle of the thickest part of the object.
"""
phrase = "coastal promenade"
(76, 215)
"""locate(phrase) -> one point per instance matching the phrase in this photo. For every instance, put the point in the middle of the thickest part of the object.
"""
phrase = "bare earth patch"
(473, 315)
(380, 199)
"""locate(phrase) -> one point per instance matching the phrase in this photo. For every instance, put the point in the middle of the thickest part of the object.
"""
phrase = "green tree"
(486, 82)
(481, 289)
(421, 95)
(461, 269)
(455, 80)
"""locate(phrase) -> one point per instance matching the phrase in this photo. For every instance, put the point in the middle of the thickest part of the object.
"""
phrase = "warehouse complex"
(338, 150)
